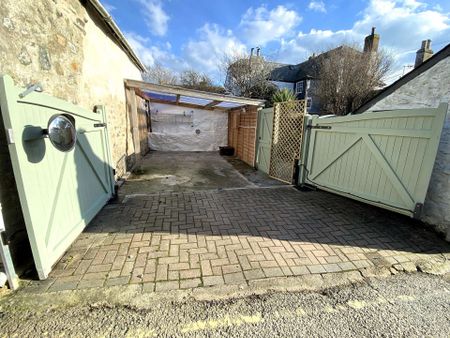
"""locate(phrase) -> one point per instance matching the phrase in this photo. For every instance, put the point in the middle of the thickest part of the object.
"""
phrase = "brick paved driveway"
(202, 238)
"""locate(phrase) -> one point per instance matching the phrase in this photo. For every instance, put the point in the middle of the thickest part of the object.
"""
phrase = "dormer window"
(299, 87)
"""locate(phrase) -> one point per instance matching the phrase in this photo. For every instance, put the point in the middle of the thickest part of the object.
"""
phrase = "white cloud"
(438, 8)
(140, 46)
(152, 54)
(317, 6)
(260, 26)
(203, 54)
(402, 25)
(155, 17)
(206, 53)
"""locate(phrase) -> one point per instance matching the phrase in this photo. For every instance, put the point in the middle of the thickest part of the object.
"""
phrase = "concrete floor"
(162, 172)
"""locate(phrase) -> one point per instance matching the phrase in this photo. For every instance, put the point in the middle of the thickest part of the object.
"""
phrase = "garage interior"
(178, 133)
(170, 118)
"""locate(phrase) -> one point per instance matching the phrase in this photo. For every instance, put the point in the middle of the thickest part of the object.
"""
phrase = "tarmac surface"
(410, 305)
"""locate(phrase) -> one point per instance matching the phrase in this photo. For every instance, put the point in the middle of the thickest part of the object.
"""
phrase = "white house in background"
(300, 78)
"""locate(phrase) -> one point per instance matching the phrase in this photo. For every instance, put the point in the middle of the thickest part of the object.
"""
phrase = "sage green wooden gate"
(383, 158)
(264, 139)
(60, 192)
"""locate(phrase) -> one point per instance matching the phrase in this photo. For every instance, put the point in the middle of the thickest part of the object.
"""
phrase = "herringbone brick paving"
(185, 240)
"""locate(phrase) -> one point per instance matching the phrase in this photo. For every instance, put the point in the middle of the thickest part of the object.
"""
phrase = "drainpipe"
(5, 256)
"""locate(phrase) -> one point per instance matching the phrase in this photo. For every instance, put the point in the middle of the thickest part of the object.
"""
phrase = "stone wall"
(65, 46)
(428, 90)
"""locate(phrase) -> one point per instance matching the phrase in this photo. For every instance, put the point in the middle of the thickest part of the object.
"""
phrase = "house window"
(299, 87)
(308, 102)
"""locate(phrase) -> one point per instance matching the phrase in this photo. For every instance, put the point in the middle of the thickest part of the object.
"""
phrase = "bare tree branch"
(247, 76)
(346, 78)
(199, 81)
(158, 74)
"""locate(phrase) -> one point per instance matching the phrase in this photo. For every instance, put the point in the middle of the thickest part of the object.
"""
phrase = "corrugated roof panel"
(194, 100)
(160, 96)
(228, 105)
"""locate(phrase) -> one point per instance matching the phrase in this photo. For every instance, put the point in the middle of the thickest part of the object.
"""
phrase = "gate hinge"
(318, 127)
(99, 125)
(10, 136)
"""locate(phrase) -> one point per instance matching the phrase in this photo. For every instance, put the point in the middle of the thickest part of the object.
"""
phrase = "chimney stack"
(424, 53)
(371, 42)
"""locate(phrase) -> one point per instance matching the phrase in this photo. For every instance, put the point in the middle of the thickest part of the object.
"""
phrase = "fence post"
(304, 148)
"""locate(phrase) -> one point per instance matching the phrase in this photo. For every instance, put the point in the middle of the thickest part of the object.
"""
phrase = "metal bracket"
(99, 125)
(37, 87)
(318, 127)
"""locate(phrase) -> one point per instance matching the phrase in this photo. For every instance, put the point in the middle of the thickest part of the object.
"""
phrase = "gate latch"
(37, 87)
(318, 127)
(99, 125)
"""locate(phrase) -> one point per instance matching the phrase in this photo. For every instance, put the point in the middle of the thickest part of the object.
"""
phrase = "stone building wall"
(65, 46)
(428, 90)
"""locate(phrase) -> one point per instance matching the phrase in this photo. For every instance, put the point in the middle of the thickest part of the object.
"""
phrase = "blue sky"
(183, 34)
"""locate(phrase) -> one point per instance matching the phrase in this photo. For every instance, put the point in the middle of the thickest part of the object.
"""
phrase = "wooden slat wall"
(142, 125)
(233, 122)
(242, 133)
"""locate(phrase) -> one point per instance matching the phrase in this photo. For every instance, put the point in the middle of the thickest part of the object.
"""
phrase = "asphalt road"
(415, 305)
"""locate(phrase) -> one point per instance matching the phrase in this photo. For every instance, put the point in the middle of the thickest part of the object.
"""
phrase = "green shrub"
(284, 95)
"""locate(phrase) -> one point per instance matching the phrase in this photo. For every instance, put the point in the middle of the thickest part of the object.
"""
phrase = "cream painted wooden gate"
(383, 158)
(60, 192)
(286, 139)
(264, 139)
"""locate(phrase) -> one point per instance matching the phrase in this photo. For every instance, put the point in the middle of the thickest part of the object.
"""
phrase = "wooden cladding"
(242, 125)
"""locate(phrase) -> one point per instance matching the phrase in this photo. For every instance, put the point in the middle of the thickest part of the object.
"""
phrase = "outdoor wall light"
(61, 132)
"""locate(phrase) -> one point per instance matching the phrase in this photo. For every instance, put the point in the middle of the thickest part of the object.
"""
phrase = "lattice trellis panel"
(286, 138)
